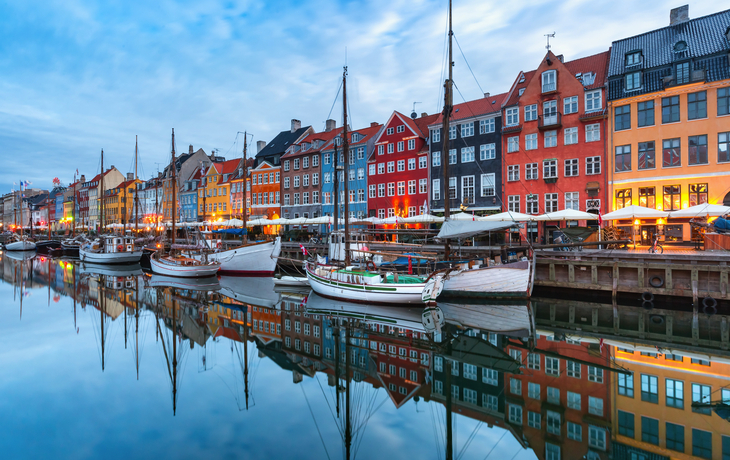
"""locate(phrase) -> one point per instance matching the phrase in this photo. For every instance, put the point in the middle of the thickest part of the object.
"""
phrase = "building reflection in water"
(565, 379)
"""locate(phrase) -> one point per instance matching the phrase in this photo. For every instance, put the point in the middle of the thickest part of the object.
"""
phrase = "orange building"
(669, 123)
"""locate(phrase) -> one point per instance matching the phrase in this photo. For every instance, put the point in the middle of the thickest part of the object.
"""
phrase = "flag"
(600, 344)
(473, 219)
(304, 250)
(600, 220)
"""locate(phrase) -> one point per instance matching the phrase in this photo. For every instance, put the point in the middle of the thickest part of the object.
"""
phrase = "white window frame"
(513, 144)
(593, 100)
(571, 167)
(570, 136)
(513, 173)
(531, 112)
(487, 152)
(512, 116)
(531, 141)
(570, 105)
(488, 184)
(593, 165)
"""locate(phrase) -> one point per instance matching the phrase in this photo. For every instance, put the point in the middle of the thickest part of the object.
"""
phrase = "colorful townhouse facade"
(351, 167)
(553, 136)
(669, 129)
(398, 167)
(474, 157)
(218, 187)
(301, 174)
(240, 195)
(119, 203)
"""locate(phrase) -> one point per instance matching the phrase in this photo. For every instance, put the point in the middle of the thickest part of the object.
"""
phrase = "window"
(286, 168)
(401, 165)
(553, 422)
(645, 113)
(674, 437)
(593, 100)
(532, 204)
(305, 180)
(551, 138)
(391, 166)
(593, 133)
(633, 58)
(490, 402)
(467, 129)
(649, 390)
(488, 184)
(391, 188)
(533, 419)
(698, 195)
(513, 116)
(315, 177)
(672, 197)
(551, 202)
(698, 150)
(422, 185)
(531, 111)
(647, 155)
(671, 153)
(296, 181)
(531, 141)
(593, 165)
(701, 394)
(391, 148)
(513, 173)
(411, 164)
(435, 135)
(550, 112)
(575, 431)
(436, 159)
(650, 430)
(513, 205)
(470, 396)
(467, 154)
(571, 167)
(515, 386)
(487, 152)
(670, 109)
(622, 118)
(573, 400)
(371, 169)
(682, 70)
(513, 144)
(533, 390)
(315, 161)
(626, 424)
(570, 136)
(486, 126)
(515, 414)
(552, 452)
(633, 81)
(597, 437)
(532, 172)
(549, 169)
(570, 105)
(452, 156)
(436, 189)
(381, 190)
(422, 162)
(701, 443)
(573, 369)
(470, 371)
(549, 82)
(400, 146)
(723, 147)
(390, 131)
(452, 132)
(467, 189)
(326, 159)
(623, 158)
(595, 406)
(452, 188)
(490, 376)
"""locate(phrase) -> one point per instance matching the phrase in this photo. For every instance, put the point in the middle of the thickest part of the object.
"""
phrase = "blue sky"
(78, 76)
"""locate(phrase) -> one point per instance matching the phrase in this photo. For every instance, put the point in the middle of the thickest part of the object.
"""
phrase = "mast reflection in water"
(116, 363)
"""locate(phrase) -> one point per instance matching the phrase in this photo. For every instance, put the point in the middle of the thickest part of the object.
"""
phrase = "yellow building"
(119, 204)
(669, 124)
(217, 190)
(652, 410)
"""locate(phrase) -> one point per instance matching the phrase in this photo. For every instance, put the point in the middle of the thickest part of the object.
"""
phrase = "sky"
(79, 76)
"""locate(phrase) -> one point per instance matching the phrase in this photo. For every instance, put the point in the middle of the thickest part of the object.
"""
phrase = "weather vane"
(552, 35)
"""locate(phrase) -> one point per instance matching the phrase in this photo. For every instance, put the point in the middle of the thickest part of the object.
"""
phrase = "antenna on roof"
(549, 36)
(414, 115)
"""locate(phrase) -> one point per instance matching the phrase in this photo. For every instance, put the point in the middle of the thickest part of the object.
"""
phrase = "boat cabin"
(115, 244)
(358, 242)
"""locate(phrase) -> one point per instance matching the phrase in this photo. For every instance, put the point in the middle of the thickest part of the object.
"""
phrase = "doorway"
(647, 234)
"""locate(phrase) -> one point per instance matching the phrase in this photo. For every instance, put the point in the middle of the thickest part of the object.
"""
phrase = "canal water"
(102, 362)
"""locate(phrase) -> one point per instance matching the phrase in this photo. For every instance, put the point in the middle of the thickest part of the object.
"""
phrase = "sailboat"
(357, 284)
(21, 243)
(248, 259)
(108, 249)
(172, 265)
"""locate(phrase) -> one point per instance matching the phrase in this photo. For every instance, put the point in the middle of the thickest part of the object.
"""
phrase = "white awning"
(464, 229)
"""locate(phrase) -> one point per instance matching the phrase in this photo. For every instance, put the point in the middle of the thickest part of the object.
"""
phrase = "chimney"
(373, 124)
(190, 149)
(295, 124)
(260, 146)
(130, 176)
(560, 58)
(424, 114)
(679, 15)
(486, 95)
(82, 179)
(330, 125)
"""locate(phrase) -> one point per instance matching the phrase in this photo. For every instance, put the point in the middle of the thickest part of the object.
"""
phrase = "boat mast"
(73, 209)
(244, 201)
(101, 316)
(336, 187)
(245, 355)
(448, 107)
(348, 427)
(101, 222)
(136, 197)
(346, 153)
(174, 186)
(174, 323)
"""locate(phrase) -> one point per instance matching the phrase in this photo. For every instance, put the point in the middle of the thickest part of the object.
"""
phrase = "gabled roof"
(704, 36)
(422, 123)
(475, 108)
(324, 136)
(365, 134)
(523, 79)
(229, 167)
(282, 141)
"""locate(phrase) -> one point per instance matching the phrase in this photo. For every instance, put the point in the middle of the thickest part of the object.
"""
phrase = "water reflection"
(551, 379)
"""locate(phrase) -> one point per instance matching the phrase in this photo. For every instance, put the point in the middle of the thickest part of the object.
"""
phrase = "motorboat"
(110, 249)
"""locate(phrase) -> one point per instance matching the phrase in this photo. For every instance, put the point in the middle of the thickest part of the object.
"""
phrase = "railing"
(550, 121)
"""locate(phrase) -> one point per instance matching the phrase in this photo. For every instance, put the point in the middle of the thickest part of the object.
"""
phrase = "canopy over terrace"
(566, 214)
(701, 210)
(635, 212)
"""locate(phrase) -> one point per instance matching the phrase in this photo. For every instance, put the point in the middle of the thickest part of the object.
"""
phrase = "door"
(647, 234)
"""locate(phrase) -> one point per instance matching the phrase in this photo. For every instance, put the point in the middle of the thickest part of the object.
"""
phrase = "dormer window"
(633, 81)
(588, 78)
(521, 91)
(682, 73)
(549, 81)
(633, 58)
(305, 146)
(355, 137)
(338, 140)
(522, 78)
(680, 46)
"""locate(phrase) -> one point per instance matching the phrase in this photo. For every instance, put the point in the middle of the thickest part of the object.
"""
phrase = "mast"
(244, 201)
(346, 154)
(73, 209)
(101, 315)
(101, 216)
(245, 355)
(136, 197)
(448, 107)
(174, 328)
(174, 186)
(348, 426)
(336, 186)
(136, 325)
(449, 427)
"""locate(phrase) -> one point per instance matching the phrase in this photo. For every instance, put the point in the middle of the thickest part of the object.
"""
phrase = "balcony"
(593, 115)
(511, 129)
(552, 121)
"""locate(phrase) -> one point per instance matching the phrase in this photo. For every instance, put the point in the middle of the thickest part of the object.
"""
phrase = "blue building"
(189, 197)
(355, 165)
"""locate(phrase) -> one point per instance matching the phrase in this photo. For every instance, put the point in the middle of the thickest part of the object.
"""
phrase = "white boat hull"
(512, 319)
(253, 260)
(258, 291)
(383, 293)
(110, 258)
(509, 281)
(185, 271)
(20, 246)
(291, 281)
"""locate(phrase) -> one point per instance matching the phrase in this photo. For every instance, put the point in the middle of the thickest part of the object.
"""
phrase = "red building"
(398, 168)
(553, 137)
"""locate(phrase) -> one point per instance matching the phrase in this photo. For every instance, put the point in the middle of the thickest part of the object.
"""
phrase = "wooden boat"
(252, 259)
(110, 249)
(21, 244)
(505, 317)
(506, 281)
